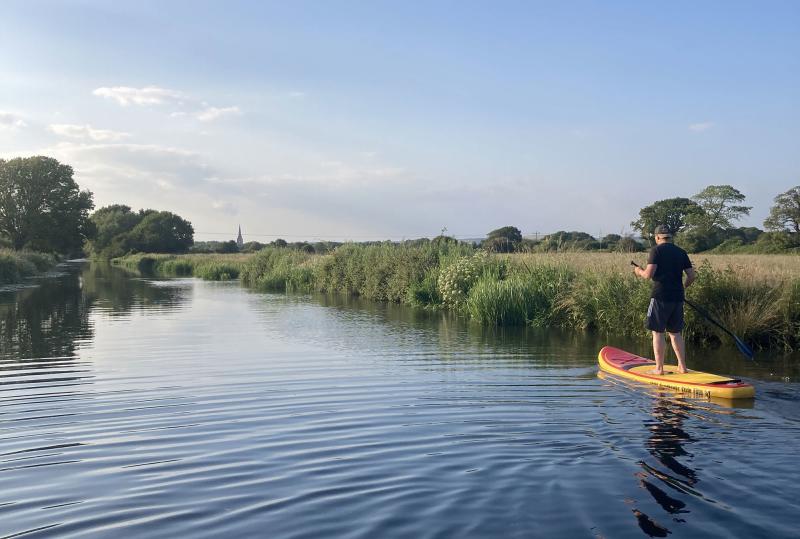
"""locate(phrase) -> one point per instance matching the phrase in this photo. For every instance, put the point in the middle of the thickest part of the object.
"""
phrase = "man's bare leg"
(659, 348)
(680, 350)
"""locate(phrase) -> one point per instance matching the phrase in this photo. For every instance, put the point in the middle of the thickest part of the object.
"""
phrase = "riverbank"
(15, 266)
(211, 267)
(755, 296)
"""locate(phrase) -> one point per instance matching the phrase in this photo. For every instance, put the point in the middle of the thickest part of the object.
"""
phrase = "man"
(666, 265)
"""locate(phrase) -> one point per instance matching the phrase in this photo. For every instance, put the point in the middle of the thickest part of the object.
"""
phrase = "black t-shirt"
(670, 260)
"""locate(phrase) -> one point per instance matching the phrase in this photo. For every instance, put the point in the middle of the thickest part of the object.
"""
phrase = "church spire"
(239, 240)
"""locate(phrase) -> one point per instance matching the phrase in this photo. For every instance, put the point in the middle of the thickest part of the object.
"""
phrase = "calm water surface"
(179, 408)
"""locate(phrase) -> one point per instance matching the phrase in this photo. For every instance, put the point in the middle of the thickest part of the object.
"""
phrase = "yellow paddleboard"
(701, 384)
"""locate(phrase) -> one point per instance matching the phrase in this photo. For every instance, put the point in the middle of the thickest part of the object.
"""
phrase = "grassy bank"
(757, 297)
(17, 265)
(214, 267)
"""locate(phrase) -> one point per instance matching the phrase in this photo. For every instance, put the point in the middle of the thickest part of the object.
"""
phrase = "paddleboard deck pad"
(699, 384)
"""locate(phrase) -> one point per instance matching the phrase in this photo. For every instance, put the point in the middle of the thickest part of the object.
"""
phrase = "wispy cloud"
(185, 104)
(86, 132)
(296, 94)
(9, 120)
(149, 95)
(209, 114)
(701, 126)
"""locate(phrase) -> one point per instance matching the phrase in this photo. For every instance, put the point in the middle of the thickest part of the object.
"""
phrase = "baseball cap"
(661, 230)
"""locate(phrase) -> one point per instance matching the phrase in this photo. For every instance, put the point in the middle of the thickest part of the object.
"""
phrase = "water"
(179, 408)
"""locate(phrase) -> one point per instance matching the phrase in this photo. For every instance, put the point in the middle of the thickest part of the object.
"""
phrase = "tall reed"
(756, 297)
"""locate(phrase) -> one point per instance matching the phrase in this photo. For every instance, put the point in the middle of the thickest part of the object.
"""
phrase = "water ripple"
(203, 410)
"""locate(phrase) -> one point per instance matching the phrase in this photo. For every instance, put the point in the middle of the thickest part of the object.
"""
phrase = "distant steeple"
(239, 240)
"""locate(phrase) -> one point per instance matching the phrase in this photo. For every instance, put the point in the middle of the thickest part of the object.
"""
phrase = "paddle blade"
(743, 348)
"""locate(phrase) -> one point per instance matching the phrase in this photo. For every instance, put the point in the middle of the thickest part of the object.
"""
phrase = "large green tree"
(112, 224)
(785, 214)
(722, 206)
(121, 230)
(674, 213)
(162, 232)
(41, 206)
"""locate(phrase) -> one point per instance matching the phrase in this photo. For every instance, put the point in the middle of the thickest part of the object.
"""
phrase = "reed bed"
(212, 267)
(17, 265)
(756, 296)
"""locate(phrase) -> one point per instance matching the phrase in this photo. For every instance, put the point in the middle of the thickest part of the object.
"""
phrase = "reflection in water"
(47, 320)
(448, 335)
(666, 443)
(118, 293)
(207, 410)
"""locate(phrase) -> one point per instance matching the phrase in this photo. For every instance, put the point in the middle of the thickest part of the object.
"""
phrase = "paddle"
(743, 348)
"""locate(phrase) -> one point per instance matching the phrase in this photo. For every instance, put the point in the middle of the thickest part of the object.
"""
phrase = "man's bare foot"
(657, 372)
(682, 371)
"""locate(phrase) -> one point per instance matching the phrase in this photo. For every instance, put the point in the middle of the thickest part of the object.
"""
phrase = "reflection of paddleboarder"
(665, 442)
(665, 266)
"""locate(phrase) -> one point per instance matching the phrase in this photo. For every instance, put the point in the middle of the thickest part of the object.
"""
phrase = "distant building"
(239, 240)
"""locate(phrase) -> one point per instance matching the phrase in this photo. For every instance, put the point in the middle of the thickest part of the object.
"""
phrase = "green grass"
(17, 265)
(212, 267)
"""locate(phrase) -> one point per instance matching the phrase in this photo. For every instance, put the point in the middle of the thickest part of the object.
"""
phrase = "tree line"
(704, 222)
(43, 209)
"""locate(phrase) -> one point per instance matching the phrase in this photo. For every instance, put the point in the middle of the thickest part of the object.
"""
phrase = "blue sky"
(366, 120)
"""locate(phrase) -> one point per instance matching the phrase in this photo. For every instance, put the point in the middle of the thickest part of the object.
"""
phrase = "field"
(755, 296)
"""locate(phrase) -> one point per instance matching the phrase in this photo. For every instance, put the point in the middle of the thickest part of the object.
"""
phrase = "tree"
(503, 240)
(162, 232)
(228, 247)
(628, 245)
(111, 222)
(674, 213)
(785, 214)
(719, 202)
(41, 206)
(252, 246)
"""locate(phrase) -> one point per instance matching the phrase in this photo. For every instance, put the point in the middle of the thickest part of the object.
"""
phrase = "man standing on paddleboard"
(666, 265)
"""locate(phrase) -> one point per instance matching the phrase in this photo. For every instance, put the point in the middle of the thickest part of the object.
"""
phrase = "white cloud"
(701, 126)
(130, 170)
(9, 120)
(149, 95)
(181, 103)
(86, 132)
(212, 113)
(296, 95)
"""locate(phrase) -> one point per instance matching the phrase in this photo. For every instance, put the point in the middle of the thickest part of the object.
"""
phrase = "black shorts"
(665, 316)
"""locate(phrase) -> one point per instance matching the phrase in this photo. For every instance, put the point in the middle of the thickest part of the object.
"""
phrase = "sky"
(387, 120)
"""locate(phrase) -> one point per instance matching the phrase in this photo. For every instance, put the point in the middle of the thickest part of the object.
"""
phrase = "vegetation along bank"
(755, 296)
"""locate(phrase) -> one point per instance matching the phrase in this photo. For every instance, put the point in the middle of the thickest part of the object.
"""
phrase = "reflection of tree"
(119, 292)
(45, 321)
(665, 443)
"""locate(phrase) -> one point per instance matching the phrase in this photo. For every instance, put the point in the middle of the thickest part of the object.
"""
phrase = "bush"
(17, 265)
(216, 271)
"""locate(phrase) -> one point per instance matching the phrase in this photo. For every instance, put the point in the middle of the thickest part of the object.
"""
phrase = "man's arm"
(690, 277)
(646, 273)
